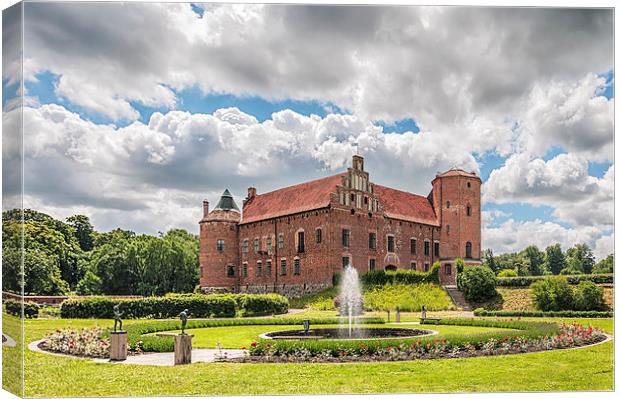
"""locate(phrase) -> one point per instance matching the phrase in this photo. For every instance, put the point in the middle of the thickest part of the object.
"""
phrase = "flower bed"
(89, 342)
(567, 336)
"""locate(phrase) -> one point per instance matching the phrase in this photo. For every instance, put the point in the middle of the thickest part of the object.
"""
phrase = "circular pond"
(343, 333)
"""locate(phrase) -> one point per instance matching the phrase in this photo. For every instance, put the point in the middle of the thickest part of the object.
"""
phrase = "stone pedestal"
(183, 349)
(118, 345)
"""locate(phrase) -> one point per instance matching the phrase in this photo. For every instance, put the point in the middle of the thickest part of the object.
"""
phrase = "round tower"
(219, 242)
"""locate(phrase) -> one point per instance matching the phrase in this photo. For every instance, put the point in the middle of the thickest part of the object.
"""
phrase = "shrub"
(553, 293)
(570, 272)
(524, 281)
(537, 313)
(382, 277)
(31, 309)
(507, 273)
(198, 305)
(589, 296)
(477, 283)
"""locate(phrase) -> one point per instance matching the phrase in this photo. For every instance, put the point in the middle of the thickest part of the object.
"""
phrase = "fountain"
(349, 303)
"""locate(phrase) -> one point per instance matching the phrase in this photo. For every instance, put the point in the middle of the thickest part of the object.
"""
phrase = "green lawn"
(236, 337)
(47, 375)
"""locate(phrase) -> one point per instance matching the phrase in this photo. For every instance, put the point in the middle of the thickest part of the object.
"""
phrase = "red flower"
(254, 344)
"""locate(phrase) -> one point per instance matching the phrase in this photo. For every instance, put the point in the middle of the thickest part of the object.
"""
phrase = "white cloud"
(514, 236)
(562, 182)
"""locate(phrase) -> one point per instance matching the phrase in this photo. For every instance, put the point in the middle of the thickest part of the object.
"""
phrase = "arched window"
(468, 210)
(468, 250)
(448, 204)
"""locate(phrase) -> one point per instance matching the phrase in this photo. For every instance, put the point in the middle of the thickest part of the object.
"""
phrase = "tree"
(522, 266)
(478, 283)
(489, 260)
(83, 231)
(580, 257)
(40, 274)
(555, 259)
(536, 259)
(90, 284)
(604, 266)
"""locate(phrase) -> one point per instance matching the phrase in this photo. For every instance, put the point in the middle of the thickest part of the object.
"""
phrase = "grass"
(520, 298)
(234, 337)
(584, 369)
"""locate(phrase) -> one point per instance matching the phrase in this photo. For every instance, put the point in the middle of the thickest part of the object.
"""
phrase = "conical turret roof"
(227, 203)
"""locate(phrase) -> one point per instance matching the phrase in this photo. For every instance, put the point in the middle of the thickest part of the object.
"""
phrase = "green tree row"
(61, 257)
(534, 262)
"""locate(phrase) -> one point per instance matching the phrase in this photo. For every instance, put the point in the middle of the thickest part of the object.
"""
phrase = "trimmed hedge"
(31, 309)
(198, 306)
(382, 277)
(477, 283)
(525, 281)
(153, 343)
(536, 313)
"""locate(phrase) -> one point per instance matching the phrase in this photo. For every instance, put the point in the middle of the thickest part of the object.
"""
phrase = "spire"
(227, 203)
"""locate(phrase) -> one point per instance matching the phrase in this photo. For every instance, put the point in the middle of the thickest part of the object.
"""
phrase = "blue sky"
(363, 70)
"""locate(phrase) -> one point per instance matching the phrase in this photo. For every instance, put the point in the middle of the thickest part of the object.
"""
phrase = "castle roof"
(403, 205)
(316, 195)
(457, 172)
(226, 202)
(302, 197)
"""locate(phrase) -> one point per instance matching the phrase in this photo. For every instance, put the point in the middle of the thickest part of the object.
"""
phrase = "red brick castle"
(293, 240)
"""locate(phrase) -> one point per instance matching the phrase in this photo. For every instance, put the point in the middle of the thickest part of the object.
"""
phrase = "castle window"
(468, 250)
(414, 265)
(447, 269)
(352, 197)
(390, 243)
(436, 249)
(414, 246)
(346, 233)
(319, 236)
(448, 204)
(230, 271)
(220, 245)
(301, 245)
(245, 269)
(427, 248)
(426, 266)
(268, 268)
(269, 244)
(372, 240)
(345, 262)
(283, 267)
(297, 267)
(256, 245)
(280, 241)
(372, 264)
(468, 210)
(245, 247)
(259, 268)
(365, 200)
(448, 229)
(468, 185)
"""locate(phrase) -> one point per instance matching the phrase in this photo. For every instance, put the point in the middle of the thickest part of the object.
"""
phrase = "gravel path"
(9, 341)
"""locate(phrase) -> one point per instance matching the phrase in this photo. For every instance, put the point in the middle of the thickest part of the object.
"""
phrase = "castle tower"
(456, 201)
(219, 245)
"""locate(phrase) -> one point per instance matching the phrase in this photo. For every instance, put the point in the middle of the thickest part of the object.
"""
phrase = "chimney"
(251, 193)
(358, 162)
(205, 208)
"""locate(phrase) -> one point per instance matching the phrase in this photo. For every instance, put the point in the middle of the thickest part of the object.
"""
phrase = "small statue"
(423, 312)
(117, 318)
(183, 316)
(306, 326)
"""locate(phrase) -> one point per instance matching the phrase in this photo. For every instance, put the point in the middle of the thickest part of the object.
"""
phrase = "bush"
(553, 293)
(589, 296)
(537, 313)
(31, 309)
(507, 273)
(477, 283)
(570, 272)
(382, 277)
(198, 305)
(525, 281)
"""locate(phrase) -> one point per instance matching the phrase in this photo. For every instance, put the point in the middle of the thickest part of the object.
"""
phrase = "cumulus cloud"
(514, 236)
(562, 182)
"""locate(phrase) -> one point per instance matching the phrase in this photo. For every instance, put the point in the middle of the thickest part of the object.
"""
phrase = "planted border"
(536, 313)
(526, 281)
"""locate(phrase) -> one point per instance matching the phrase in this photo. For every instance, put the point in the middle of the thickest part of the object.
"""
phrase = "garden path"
(7, 341)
